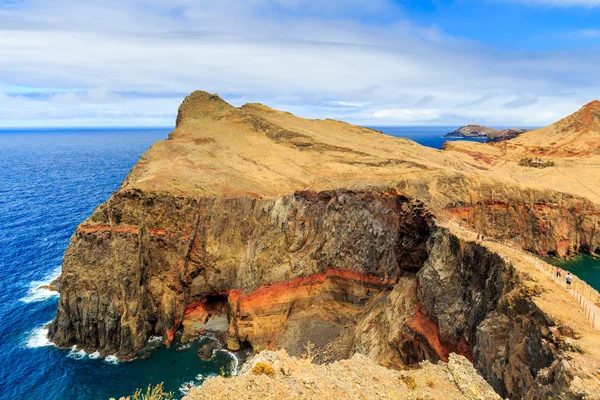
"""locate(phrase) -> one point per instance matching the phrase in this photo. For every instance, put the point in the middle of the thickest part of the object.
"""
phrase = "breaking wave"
(76, 355)
(185, 387)
(37, 290)
(112, 359)
(235, 363)
(39, 337)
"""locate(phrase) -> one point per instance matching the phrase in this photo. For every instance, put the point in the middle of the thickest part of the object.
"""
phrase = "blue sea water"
(430, 136)
(50, 181)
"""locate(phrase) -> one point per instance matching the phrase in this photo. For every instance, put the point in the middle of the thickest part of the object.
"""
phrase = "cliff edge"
(357, 377)
(295, 230)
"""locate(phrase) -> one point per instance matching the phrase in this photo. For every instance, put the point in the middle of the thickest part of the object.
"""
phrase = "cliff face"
(548, 224)
(281, 231)
(371, 265)
(469, 301)
(139, 265)
(505, 134)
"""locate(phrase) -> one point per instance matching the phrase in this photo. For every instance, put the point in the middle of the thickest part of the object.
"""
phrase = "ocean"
(430, 136)
(50, 181)
(584, 266)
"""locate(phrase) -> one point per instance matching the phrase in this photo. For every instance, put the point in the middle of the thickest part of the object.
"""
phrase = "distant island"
(479, 131)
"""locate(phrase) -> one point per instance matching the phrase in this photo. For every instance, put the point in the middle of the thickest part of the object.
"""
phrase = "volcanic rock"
(479, 131)
(263, 224)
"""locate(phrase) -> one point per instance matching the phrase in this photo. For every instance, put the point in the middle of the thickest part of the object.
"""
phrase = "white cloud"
(128, 62)
(407, 115)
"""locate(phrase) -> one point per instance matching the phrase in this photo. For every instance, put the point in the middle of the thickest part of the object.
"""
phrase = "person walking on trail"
(558, 272)
(569, 279)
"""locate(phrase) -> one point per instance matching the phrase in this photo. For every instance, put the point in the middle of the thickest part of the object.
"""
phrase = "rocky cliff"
(282, 231)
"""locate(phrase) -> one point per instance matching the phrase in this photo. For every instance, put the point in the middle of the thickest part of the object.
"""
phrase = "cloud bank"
(67, 62)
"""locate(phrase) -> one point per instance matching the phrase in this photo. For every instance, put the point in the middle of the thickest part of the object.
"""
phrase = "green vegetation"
(262, 368)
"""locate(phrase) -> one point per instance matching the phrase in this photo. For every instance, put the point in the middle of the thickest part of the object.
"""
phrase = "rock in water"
(479, 131)
(206, 351)
(471, 131)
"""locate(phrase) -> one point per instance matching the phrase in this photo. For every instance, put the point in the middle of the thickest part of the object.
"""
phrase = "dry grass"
(409, 381)
(151, 393)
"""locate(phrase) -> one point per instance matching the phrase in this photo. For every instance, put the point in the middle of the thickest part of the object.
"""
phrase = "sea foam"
(185, 388)
(111, 359)
(37, 291)
(155, 339)
(76, 355)
(234, 364)
(39, 337)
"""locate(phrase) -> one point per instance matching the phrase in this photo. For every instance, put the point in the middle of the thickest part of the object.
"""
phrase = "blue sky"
(381, 62)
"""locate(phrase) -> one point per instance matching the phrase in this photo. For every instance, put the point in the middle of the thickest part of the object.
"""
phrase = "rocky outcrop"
(355, 378)
(505, 134)
(546, 223)
(471, 131)
(479, 131)
(284, 233)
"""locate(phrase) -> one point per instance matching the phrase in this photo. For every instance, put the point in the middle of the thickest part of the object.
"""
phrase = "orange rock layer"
(258, 316)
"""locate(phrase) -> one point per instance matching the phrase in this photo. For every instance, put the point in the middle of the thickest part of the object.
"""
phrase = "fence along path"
(587, 297)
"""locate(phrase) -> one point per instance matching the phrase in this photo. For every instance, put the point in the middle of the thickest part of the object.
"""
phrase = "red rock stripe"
(125, 229)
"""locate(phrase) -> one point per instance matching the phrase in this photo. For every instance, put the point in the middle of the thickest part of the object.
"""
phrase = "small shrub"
(152, 393)
(409, 381)
(262, 368)
(535, 163)
(309, 347)
(431, 383)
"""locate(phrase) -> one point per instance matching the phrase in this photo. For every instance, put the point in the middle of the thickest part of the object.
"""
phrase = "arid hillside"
(564, 156)
(577, 135)
(278, 231)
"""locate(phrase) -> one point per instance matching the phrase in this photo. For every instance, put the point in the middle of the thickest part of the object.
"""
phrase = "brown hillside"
(575, 135)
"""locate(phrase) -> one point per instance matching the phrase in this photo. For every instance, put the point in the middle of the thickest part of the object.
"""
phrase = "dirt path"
(586, 297)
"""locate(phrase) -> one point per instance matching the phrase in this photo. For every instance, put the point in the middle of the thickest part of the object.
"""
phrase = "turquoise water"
(584, 266)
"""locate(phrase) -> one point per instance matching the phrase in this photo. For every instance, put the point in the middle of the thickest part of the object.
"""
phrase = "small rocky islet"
(340, 245)
(490, 134)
